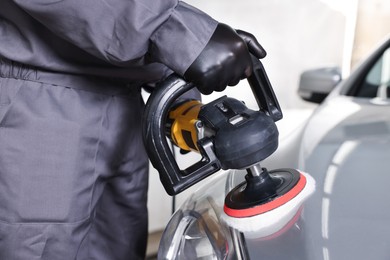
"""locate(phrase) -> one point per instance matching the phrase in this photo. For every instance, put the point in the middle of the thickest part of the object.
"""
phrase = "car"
(345, 146)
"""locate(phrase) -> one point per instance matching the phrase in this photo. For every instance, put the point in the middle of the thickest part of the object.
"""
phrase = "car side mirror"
(315, 85)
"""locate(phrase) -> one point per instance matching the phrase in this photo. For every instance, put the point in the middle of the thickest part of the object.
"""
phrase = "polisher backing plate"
(239, 205)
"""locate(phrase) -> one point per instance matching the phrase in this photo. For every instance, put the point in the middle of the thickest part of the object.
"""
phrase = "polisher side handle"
(263, 92)
(157, 108)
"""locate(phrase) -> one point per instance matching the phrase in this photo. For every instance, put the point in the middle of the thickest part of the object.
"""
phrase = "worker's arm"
(186, 40)
(123, 30)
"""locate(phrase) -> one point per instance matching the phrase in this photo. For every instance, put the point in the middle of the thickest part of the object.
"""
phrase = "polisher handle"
(173, 179)
(263, 92)
(156, 112)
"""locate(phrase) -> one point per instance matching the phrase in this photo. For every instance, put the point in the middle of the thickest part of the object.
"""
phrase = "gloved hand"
(225, 60)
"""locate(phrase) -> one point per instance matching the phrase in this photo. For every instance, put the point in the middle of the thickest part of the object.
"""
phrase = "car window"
(377, 81)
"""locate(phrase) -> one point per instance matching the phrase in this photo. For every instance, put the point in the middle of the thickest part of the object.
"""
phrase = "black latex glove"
(225, 60)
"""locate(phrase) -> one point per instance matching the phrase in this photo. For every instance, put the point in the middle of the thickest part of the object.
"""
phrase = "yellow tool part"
(183, 130)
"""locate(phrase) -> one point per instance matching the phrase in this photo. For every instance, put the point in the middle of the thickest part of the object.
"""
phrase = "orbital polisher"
(228, 135)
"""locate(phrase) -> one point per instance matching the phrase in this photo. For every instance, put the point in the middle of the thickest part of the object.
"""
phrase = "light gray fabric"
(117, 38)
(73, 169)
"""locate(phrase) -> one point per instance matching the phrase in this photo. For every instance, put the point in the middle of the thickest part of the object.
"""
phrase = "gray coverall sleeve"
(121, 31)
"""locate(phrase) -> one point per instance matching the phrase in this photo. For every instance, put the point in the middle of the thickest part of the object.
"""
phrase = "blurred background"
(297, 35)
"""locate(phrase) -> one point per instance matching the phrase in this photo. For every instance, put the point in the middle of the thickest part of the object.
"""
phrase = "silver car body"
(345, 146)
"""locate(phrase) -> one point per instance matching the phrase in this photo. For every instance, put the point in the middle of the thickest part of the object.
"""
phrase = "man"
(73, 170)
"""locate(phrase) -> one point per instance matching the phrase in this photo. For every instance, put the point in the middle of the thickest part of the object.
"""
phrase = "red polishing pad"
(288, 192)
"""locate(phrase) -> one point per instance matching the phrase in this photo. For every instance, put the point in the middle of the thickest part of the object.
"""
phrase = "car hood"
(346, 148)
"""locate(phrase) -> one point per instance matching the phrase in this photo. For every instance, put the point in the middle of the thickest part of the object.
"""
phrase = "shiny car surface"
(345, 146)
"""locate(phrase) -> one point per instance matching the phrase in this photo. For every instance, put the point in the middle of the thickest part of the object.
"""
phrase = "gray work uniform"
(73, 169)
